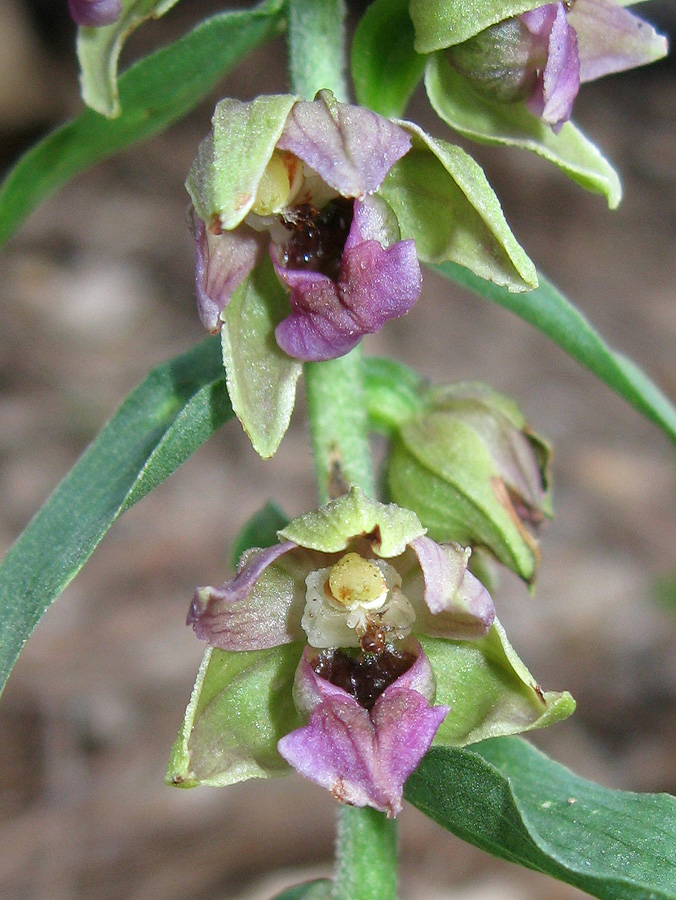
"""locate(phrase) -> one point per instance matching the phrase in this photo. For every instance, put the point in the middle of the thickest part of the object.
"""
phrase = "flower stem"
(366, 844)
(366, 856)
(316, 47)
(338, 425)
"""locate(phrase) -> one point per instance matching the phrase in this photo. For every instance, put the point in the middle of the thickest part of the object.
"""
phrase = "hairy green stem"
(339, 425)
(316, 47)
(366, 856)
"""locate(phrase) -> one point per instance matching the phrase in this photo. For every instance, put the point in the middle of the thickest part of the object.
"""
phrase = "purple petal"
(457, 605)
(95, 12)
(236, 617)
(222, 262)
(351, 148)
(559, 82)
(375, 284)
(363, 757)
(612, 39)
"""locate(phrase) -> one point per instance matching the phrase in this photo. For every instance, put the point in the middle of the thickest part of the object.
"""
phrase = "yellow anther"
(276, 186)
(355, 580)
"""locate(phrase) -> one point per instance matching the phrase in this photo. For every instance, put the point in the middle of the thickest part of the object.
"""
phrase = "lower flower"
(344, 651)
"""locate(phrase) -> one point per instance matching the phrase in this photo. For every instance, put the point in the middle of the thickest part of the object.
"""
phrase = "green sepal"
(385, 66)
(241, 705)
(333, 527)
(489, 690)
(98, 50)
(261, 378)
(231, 160)
(440, 467)
(443, 201)
(443, 23)
(513, 125)
(260, 531)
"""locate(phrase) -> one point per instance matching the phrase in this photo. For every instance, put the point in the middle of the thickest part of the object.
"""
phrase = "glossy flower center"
(356, 602)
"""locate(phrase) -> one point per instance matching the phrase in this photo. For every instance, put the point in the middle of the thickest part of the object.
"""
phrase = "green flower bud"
(474, 473)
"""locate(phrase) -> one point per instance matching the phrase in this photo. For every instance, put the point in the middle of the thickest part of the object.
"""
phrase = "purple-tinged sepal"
(94, 13)
(104, 27)
(363, 754)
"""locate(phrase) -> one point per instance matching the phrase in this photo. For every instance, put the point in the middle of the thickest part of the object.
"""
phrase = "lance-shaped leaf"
(509, 799)
(443, 201)
(512, 124)
(240, 707)
(175, 410)
(98, 50)
(154, 92)
(441, 23)
(385, 67)
(261, 378)
(312, 890)
(489, 690)
(548, 310)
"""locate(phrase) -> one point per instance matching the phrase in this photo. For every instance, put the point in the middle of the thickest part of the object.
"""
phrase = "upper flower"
(321, 662)
(95, 12)
(542, 55)
(301, 177)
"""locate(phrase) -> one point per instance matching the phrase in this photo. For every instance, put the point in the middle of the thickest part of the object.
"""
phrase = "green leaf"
(98, 50)
(511, 124)
(261, 377)
(512, 801)
(154, 92)
(440, 23)
(240, 707)
(548, 310)
(312, 890)
(385, 67)
(489, 690)
(260, 531)
(175, 410)
(443, 201)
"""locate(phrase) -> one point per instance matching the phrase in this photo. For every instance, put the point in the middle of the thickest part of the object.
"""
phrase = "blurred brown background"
(97, 287)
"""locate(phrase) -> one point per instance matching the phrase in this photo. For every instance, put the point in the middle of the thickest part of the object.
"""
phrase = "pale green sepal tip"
(261, 378)
(444, 201)
(511, 124)
(332, 527)
(442, 23)
(489, 690)
(241, 705)
(231, 160)
(98, 50)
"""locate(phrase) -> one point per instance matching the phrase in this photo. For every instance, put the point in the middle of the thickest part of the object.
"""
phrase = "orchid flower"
(353, 590)
(301, 179)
